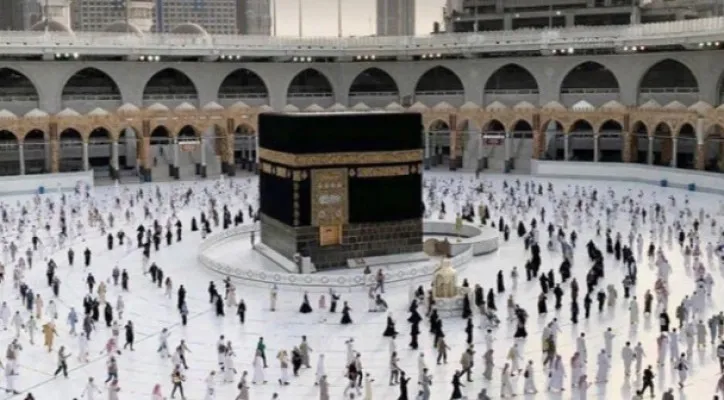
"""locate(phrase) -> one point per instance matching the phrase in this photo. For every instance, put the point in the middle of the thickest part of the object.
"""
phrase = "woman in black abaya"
(390, 329)
(346, 319)
(467, 311)
(501, 284)
(457, 393)
(305, 307)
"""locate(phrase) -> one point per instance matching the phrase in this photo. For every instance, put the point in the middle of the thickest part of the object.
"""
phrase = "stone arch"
(188, 131)
(580, 137)
(590, 81)
(610, 141)
(662, 136)
(554, 133)
(309, 81)
(169, 84)
(9, 163)
(439, 79)
(510, 78)
(440, 84)
(666, 81)
(374, 80)
(15, 87)
(36, 147)
(521, 128)
(589, 75)
(70, 155)
(160, 135)
(310, 86)
(99, 147)
(243, 84)
(438, 131)
(89, 88)
(244, 145)
(713, 152)
(494, 126)
(686, 146)
(638, 140)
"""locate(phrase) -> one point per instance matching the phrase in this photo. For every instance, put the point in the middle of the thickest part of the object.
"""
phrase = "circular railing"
(316, 281)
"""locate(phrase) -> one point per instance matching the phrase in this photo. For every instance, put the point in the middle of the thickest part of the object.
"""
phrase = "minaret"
(140, 14)
(56, 10)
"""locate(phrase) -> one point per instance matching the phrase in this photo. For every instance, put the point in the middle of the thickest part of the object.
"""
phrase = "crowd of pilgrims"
(526, 206)
(56, 226)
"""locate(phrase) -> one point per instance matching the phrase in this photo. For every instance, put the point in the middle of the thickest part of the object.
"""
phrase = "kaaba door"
(330, 235)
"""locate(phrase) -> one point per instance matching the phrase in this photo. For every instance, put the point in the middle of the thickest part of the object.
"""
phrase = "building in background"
(493, 15)
(253, 17)
(217, 17)
(395, 17)
(13, 15)
(112, 15)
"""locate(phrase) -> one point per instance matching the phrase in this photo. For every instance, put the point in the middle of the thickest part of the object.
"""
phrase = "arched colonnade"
(653, 136)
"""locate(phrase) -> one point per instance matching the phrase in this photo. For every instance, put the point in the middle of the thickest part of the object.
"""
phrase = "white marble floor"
(151, 311)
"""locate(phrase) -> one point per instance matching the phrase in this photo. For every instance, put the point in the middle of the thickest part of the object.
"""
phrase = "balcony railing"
(687, 31)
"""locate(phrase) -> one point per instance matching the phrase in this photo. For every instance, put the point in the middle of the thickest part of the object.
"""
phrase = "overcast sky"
(358, 17)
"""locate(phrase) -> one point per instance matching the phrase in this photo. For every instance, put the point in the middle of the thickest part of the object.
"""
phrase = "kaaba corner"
(341, 186)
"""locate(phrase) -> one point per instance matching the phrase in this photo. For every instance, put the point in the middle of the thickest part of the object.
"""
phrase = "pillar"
(455, 141)
(666, 151)
(173, 169)
(650, 151)
(700, 160)
(507, 144)
(626, 154)
(674, 151)
(21, 158)
(227, 149)
(202, 171)
(480, 153)
(144, 162)
(566, 140)
(596, 144)
(538, 140)
(114, 160)
(86, 161)
(54, 148)
(256, 153)
(427, 150)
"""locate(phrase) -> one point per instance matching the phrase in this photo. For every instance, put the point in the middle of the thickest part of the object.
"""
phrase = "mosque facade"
(655, 107)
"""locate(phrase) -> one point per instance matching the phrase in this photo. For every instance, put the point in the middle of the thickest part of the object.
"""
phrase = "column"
(566, 139)
(54, 152)
(537, 144)
(596, 154)
(506, 152)
(203, 157)
(650, 151)
(229, 149)
(86, 162)
(700, 156)
(427, 150)
(114, 160)
(627, 148)
(174, 169)
(481, 152)
(256, 153)
(21, 157)
(674, 151)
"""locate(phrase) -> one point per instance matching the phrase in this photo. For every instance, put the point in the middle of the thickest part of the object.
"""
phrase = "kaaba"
(340, 186)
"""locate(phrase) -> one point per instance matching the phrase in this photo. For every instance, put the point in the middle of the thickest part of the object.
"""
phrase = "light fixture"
(570, 50)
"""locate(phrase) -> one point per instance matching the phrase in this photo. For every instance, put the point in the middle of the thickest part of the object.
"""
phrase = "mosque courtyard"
(151, 311)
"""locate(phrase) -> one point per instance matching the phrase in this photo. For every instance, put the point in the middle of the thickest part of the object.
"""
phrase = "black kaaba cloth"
(355, 172)
(371, 199)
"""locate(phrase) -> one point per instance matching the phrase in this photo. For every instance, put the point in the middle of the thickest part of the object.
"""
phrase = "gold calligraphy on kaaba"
(330, 203)
(377, 172)
(359, 158)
